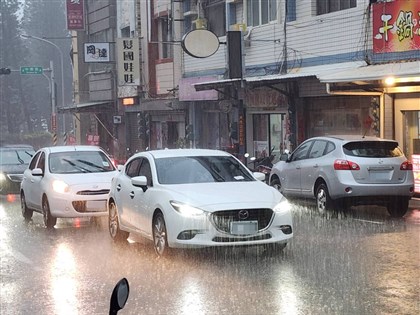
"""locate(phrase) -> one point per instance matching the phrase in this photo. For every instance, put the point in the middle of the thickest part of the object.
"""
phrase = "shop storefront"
(267, 122)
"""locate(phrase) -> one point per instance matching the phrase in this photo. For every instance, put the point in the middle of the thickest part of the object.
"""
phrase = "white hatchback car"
(67, 182)
(345, 170)
(196, 198)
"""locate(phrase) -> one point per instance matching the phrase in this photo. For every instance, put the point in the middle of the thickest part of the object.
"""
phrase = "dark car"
(14, 159)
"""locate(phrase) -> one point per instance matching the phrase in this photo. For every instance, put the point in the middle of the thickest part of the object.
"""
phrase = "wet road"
(361, 263)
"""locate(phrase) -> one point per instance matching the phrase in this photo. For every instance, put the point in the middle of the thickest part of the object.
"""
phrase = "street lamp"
(26, 36)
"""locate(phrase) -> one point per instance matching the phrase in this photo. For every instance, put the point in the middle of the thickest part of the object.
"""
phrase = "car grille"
(15, 177)
(83, 206)
(93, 192)
(222, 219)
(220, 239)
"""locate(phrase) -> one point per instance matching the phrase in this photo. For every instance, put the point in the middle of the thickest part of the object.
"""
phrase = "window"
(301, 152)
(146, 171)
(215, 13)
(260, 12)
(166, 37)
(132, 168)
(317, 149)
(327, 6)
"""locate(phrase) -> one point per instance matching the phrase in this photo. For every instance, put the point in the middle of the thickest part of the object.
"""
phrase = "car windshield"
(200, 169)
(373, 149)
(79, 162)
(16, 156)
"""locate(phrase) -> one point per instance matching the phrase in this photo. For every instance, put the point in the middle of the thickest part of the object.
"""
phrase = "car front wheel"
(114, 225)
(398, 207)
(160, 239)
(26, 212)
(49, 220)
(323, 200)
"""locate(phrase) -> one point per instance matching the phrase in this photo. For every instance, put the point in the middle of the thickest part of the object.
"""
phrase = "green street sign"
(31, 70)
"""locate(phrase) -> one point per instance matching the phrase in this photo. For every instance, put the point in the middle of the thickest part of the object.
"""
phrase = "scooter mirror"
(119, 296)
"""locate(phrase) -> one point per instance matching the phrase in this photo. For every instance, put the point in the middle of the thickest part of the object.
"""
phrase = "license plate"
(243, 228)
(96, 205)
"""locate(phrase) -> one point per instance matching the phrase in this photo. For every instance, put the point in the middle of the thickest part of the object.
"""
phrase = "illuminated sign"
(395, 26)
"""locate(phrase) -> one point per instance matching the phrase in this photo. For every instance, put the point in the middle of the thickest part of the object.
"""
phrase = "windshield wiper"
(214, 170)
(92, 164)
(19, 158)
(84, 170)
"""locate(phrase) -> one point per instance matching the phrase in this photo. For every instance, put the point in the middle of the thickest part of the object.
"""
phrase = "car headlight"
(186, 210)
(283, 206)
(60, 187)
(2, 177)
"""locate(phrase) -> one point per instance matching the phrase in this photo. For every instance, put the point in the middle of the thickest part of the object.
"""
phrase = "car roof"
(347, 138)
(70, 148)
(16, 146)
(164, 153)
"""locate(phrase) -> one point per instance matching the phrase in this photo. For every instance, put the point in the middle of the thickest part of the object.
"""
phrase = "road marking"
(368, 221)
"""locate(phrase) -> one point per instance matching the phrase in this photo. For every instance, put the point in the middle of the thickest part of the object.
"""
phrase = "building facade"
(297, 69)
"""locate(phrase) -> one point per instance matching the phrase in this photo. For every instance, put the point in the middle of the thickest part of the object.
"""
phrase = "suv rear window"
(373, 149)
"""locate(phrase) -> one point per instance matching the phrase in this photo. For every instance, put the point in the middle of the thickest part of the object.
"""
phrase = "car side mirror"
(119, 296)
(120, 167)
(140, 181)
(37, 172)
(259, 175)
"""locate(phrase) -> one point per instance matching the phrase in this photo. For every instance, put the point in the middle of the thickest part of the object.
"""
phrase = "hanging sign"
(128, 61)
(75, 15)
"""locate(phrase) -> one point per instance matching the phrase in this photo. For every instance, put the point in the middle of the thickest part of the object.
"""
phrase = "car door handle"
(298, 167)
(316, 166)
(132, 195)
(118, 187)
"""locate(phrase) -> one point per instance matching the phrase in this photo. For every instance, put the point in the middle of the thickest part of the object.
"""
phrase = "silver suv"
(342, 171)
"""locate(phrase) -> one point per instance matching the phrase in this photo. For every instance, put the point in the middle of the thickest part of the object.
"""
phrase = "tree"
(46, 19)
(12, 111)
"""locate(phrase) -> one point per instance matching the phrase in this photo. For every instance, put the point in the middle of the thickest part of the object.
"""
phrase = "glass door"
(268, 135)
(411, 143)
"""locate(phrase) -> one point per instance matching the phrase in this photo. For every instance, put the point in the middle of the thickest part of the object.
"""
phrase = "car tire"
(49, 220)
(276, 184)
(324, 202)
(26, 212)
(398, 207)
(116, 233)
(160, 239)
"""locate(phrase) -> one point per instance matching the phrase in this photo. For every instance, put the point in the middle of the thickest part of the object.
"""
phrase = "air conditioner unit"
(199, 24)
(238, 27)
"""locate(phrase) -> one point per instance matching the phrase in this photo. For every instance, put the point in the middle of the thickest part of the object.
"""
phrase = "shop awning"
(371, 79)
(88, 107)
(372, 72)
(266, 80)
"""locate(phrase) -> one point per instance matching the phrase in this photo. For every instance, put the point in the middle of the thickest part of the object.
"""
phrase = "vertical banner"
(128, 61)
(75, 15)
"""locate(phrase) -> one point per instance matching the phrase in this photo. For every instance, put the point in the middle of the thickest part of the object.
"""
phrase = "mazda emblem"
(243, 214)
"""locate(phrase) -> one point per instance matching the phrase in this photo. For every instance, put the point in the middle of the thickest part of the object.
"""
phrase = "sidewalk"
(414, 203)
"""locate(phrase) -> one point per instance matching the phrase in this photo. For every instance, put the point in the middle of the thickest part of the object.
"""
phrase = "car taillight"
(406, 166)
(340, 165)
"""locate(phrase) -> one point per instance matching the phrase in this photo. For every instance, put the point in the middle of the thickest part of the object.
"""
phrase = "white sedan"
(185, 198)
(67, 182)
